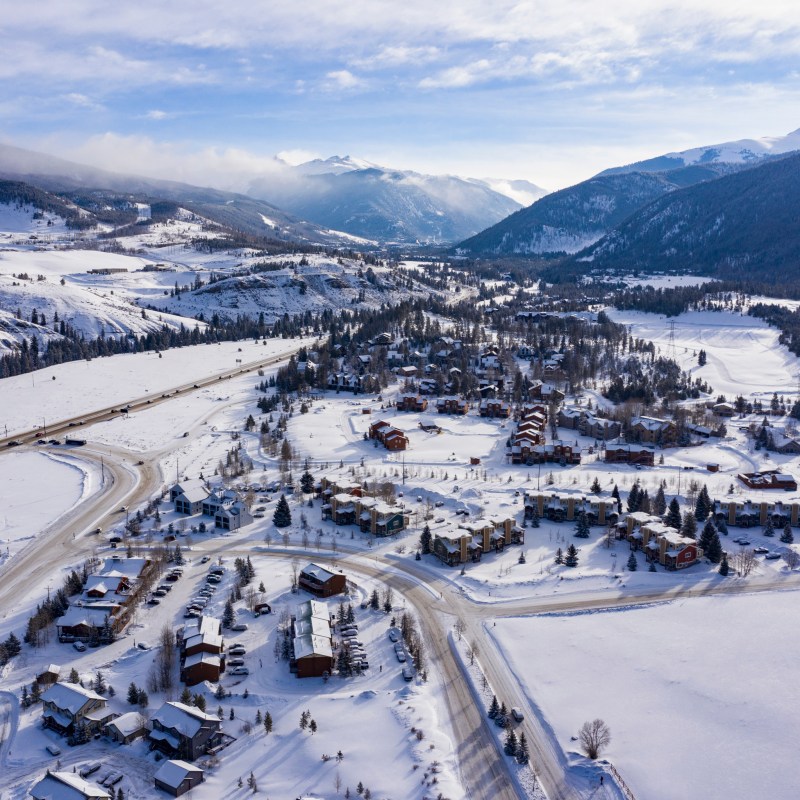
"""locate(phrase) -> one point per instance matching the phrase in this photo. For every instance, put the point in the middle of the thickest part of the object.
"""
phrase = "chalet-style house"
(202, 651)
(565, 505)
(546, 392)
(181, 731)
(126, 728)
(108, 600)
(599, 427)
(769, 479)
(651, 430)
(188, 496)
(345, 382)
(638, 454)
(312, 648)
(456, 548)
(66, 706)
(177, 777)
(452, 405)
(49, 675)
(490, 407)
(411, 402)
(233, 517)
(66, 786)
(390, 437)
(320, 581)
(666, 545)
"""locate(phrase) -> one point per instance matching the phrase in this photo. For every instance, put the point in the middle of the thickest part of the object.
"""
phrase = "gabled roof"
(316, 571)
(174, 773)
(187, 720)
(66, 786)
(70, 697)
(311, 645)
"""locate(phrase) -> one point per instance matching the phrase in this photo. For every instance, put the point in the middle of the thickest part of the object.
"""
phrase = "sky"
(551, 92)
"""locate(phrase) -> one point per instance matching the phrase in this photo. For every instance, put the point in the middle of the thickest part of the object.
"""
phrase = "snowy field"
(26, 510)
(744, 356)
(79, 387)
(700, 695)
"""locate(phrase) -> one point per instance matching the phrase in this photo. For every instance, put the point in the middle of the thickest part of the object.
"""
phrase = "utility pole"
(102, 469)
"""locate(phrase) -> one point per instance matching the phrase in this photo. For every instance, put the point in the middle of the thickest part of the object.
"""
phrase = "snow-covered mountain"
(389, 205)
(743, 151)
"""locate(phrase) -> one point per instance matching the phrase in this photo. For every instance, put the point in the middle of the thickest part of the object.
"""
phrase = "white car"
(240, 671)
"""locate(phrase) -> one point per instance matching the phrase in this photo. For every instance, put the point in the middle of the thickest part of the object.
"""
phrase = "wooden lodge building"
(321, 582)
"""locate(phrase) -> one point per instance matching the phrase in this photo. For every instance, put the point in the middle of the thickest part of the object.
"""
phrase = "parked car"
(517, 714)
(240, 671)
(761, 550)
(394, 636)
(153, 601)
(205, 559)
(237, 650)
(53, 749)
(239, 626)
(190, 613)
(772, 556)
(160, 593)
(89, 769)
(401, 656)
(143, 646)
(408, 674)
(235, 662)
(79, 646)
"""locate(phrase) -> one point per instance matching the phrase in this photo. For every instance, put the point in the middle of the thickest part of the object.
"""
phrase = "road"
(74, 426)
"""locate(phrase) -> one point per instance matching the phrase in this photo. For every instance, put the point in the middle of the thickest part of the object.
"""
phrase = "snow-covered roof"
(128, 723)
(84, 615)
(173, 773)
(213, 639)
(71, 697)
(194, 491)
(201, 658)
(318, 572)
(66, 786)
(123, 567)
(187, 720)
(311, 645)
(312, 608)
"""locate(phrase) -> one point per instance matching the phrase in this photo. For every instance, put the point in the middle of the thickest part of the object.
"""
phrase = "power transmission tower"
(671, 341)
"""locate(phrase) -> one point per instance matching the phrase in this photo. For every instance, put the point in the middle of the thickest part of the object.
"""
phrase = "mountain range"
(567, 221)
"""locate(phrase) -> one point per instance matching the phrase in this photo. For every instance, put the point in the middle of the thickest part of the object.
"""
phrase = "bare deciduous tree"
(744, 561)
(791, 558)
(594, 736)
(474, 652)
(459, 627)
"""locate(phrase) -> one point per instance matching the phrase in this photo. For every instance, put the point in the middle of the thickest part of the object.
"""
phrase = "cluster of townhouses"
(472, 539)
(224, 506)
(346, 504)
(109, 598)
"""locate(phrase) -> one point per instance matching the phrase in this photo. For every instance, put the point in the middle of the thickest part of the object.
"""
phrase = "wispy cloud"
(342, 80)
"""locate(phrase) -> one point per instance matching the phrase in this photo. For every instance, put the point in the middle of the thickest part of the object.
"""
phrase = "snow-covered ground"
(700, 694)
(78, 387)
(26, 509)
(744, 356)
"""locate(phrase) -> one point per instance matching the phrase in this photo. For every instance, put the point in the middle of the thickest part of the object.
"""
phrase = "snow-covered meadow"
(699, 694)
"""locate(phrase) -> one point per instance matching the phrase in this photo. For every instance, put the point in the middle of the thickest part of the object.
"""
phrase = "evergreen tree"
(511, 743)
(283, 516)
(787, 537)
(523, 757)
(713, 551)
(689, 525)
(652, 567)
(660, 502)
(307, 482)
(559, 556)
(12, 645)
(535, 516)
(258, 717)
(673, 518)
(596, 488)
(312, 726)
(143, 698)
(228, 615)
(582, 526)
(723, 565)
(708, 532)
(571, 558)
(769, 530)
(267, 723)
(374, 600)
(425, 540)
(133, 694)
(722, 526)
(632, 563)
(186, 696)
(633, 497)
(703, 506)
(616, 496)
(73, 676)
(494, 708)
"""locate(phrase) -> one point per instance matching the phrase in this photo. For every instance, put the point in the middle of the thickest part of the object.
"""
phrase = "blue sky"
(551, 92)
